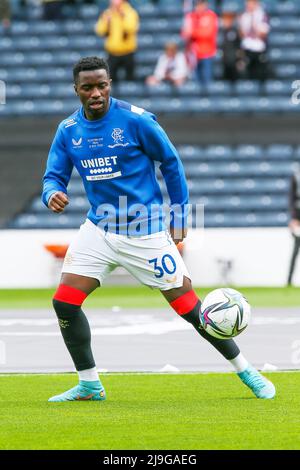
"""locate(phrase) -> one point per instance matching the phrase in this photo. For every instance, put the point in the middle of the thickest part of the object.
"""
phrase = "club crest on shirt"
(118, 138)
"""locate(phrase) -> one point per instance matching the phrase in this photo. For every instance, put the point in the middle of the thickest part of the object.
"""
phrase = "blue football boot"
(260, 386)
(84, 391)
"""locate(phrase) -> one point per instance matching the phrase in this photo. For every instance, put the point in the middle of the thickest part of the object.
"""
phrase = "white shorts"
(153, 259)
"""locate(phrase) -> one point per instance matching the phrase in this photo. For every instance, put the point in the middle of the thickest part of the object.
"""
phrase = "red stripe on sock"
(70, 295)
(185, 303)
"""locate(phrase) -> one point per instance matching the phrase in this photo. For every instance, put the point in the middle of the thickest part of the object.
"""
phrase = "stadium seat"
(129, 89)
(247, 87)
(287, 39)
(248, 152)
(161, 89)
(46, 221)
(277, 87)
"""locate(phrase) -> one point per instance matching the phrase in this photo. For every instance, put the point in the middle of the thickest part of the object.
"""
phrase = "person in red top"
(200, 30)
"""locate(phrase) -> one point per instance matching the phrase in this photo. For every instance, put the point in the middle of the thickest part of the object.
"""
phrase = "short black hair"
(89, 63)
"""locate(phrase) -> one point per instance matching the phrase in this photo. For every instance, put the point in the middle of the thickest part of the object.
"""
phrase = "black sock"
(76, 332)
(227, 347)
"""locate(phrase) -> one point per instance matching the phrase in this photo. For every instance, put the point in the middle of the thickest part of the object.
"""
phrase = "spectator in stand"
(200, 30)
(5, 14)
(171, 67)
(53, 10)
(254, 29)
(233, 63)
(294, 225)
(119, 24)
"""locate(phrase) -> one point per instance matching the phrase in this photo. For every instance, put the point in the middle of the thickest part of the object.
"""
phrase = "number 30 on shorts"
(167, 265)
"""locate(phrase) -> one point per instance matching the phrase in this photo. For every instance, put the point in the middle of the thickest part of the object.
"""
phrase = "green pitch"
(186, 411)
(139, 297)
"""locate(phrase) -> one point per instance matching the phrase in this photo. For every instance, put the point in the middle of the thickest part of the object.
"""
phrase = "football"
(225, 313)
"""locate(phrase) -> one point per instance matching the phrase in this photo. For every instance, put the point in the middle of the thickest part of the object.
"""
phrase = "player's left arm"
(158, 147)
(58, 173)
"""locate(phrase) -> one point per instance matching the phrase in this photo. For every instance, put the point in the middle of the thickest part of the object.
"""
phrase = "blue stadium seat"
(40, 58)
(44, 27)
(285, 23)
(30, 91)
(242, 202)
(280, 151)
(242, 219)
(218, 152)
(147, 57)
(297, 153)
(247, 87)
(221, 88)
(15, 59)
(6, 44)
(46, 221)
(143, 71)
(86, 41)
(190, 88)
(67, 58)
(191, 152)
(89, 11)
(277, 87)
(21, 28)
(284, 55)
(148, 41)
(13, 91)
(162, 89)
(286, 39)
(248, 152)
(286, 8)
(129, 89)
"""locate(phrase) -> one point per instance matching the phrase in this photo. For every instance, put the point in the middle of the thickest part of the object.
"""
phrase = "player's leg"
(75, 329)
(187, 304)
(88, 261)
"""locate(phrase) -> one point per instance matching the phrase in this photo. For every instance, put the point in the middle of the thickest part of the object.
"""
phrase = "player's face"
(93, 88)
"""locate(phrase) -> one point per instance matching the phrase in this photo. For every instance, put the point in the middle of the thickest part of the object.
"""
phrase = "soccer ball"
(225, 313)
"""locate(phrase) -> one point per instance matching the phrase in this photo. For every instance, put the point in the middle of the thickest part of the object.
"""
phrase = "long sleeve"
(58, 170)
(102, 25)
(130, 21)
(156, 144)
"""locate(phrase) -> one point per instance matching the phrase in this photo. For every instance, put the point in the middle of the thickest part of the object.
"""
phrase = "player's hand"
(178, 234)
(58, 201)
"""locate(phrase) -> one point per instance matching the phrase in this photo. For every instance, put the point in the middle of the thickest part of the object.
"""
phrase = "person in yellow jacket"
(119, 24)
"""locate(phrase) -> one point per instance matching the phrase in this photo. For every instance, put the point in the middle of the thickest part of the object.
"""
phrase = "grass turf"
(135, 297)
(182, 412)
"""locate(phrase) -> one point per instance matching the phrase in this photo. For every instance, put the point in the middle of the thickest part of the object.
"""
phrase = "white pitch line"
(141, 328)
(141, 322)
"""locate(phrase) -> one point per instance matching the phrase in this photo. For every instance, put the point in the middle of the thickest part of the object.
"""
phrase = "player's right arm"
(57, 175)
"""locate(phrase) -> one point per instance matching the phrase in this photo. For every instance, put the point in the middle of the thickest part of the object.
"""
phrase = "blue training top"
(115, 158)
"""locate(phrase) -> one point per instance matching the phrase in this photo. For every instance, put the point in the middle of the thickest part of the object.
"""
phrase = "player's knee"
(67, 300)
(63, 309)
(187, 306)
